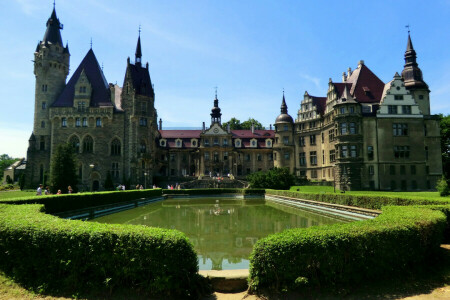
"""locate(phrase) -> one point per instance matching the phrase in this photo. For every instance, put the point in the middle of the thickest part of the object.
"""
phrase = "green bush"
(443, 187)
(276, 178)
(47, 253)
(215, 191)
(66, 202)
(400, 239)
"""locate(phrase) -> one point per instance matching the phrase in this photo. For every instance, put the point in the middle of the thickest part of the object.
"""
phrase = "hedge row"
(397, 240)
(216, 191)
(66, 202)
(364, 201)
(47, 253)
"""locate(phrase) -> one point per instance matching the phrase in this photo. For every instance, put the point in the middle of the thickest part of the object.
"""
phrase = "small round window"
(238, 143)
(178, 143)
(253, 143)
(194, 143)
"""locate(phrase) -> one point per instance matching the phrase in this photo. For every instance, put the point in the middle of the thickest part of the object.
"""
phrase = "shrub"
(276, 178)
(443, 187)
(51, 254)
(215, 191)
(399, 239)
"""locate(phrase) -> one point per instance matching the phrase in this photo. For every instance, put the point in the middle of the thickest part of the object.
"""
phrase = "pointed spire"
(409, 46)
(283, 105)
(138, 54)
(412, 75)
(66, 50)
(52, 34)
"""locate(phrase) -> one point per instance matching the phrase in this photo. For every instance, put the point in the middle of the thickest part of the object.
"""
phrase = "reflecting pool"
(223, 231)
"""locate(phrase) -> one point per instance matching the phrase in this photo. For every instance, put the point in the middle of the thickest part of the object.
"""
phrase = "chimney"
(160, 124)
(360, 63)
(203, 127)
(228, 128)
(349, 72)
(344, 78)
(253, 128)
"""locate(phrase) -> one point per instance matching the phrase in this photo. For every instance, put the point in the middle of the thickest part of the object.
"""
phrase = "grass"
(16, 194)
(329, 189)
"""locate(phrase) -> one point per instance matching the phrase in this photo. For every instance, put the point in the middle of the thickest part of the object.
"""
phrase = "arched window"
(88, 144)
(143, 147)
(75, 142)
(115, 147)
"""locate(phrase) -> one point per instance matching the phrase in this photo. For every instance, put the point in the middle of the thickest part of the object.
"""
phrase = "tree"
(5, 161)
(276, 178)
(248, 124)
(445, 144)
(234, 124)
(63, 171)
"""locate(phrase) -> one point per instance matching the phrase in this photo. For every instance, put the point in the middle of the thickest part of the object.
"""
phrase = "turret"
(412, 77)
(284, 139)
(216, 115)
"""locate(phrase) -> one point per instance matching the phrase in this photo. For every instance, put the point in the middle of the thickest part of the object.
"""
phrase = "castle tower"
(412, 77)
(138, 103)
(216, 115)
(51, 67)
(284, 154)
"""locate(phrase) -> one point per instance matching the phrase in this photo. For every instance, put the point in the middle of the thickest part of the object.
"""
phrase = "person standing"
(39, 190)
(69, 189)
(47, 191)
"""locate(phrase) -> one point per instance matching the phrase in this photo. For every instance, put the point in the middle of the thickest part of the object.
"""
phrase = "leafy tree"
(5, 161)
(445, 144)
(248, 124)
(63, 170)
(21, 181)
(109, 184)
(276, 178)
(234, 124)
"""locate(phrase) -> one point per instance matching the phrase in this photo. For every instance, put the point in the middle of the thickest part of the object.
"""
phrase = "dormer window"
(268, 143)
(82, 90)
(194, 143)
(253, 143)
(178, 143)
(238, 143)
(162, 143)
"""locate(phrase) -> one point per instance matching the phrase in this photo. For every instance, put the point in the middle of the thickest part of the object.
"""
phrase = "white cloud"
(314, 80)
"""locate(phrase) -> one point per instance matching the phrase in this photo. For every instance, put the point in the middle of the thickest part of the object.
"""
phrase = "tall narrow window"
(63, 122)
(206, 156)
(44, 105)
(353, 152)
(88, 144)
(343, 128)
(302, 159)
(115, 147)
(42, 143)
(85, 123)
(369, 152)
(115, 170)
(75, 142)
(98, 122)
(143, 147)
(313, 158)
(352, 128)
(42, 124)
(77, 122)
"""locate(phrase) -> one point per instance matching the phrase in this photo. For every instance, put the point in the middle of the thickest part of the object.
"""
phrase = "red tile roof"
(366, 86)
(320, 103)
(259, 133)
(191, 134)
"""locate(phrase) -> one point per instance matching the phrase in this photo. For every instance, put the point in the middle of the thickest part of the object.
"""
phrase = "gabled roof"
(340, 87)
(366, 86)
(141, 80)
(100, 96)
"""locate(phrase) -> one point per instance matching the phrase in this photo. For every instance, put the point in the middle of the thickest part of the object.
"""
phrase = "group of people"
(46, 191)
(171, 187)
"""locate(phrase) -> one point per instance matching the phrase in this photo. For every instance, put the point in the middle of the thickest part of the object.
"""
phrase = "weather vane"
(139, 29)
(91, 43)
(407, 26)
(216, 91)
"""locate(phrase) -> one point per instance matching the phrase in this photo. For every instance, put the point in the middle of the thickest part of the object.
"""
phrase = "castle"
(364, 134)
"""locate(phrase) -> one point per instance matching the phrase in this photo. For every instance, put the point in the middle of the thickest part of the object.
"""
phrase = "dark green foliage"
(215, 191)
(46, 253)
(109, 184)
(445, 144)
(443, 186)
(9, 180)
(21, 181)
(5, 161)
(276, 178)
(63, 170)
(398, 240)
(236, 124)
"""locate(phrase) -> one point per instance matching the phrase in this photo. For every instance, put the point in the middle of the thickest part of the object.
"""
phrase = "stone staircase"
(209, 183)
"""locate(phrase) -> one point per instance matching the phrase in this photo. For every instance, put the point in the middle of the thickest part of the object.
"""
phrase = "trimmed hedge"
(48, 253)
(66, 202)
(397, 240)
(370, 202)
(215, 191)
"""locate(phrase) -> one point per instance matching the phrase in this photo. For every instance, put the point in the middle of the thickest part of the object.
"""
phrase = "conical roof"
(52, 34)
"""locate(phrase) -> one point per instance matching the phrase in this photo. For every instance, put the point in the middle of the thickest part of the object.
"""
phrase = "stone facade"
(364, 134)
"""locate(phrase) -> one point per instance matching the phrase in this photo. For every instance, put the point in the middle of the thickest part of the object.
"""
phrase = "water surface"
(223, 231)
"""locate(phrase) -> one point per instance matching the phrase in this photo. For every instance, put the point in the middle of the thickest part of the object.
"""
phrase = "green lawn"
(15, 194)
(329, 189)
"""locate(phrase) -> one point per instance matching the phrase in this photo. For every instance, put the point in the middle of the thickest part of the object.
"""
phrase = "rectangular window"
(332, 155)
(302, 159)
(323, 156)
(392, 169)
(225, 156)
(342, 110)
(64, 122)
(371, 170)
(313, 158)
(369, 152)
(248, 157)
(323, 138)
(313, 173)
(82, 89)
(344, 151)
(286, 140)
(392, 109)
(77, 122)
(206, 156)
(216, 141)
(44, 88)
(352, 128)
(206, 142)
(258, 157)
(343, 128)
(398, 97)
(400, 129)
(312, 139)
(352, 109)
(44, 105)
(85, 124)
(216, 157)
(248, 171)
(285, 127)
(413, 170)
(270, 156)
(287, 156)
(115, 170)
(406, 109)
(401, 151)
(331, 135)
(98, 122)
(353, 152)
(225, 142)
(302, 141)
(142, 121)
(143, 108)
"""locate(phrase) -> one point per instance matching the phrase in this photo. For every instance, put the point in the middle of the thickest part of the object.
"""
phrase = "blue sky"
(250, 50)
